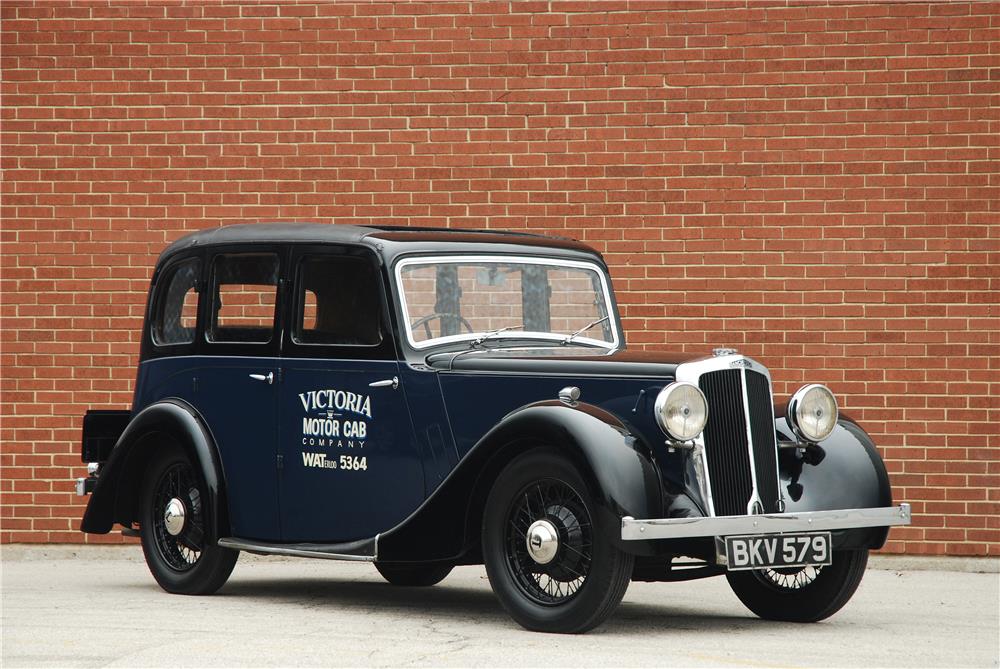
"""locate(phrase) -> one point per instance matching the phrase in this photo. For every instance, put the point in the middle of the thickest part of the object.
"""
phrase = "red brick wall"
(815, 184)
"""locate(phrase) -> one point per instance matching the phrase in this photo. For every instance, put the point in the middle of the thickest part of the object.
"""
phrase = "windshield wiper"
(479, 341)
(586, 327)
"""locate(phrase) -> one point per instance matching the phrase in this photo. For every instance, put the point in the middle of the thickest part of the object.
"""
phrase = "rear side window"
(244, 293)
(176, 312)
(338, 302)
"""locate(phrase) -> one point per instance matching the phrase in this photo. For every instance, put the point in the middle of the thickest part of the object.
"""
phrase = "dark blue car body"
(386, 451)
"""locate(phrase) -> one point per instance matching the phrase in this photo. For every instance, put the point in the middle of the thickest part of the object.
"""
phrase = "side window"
(175, 312)
(337, 300)
(244, 292)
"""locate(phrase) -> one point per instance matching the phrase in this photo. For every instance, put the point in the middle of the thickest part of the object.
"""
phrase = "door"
(236, 382)
(350, 466)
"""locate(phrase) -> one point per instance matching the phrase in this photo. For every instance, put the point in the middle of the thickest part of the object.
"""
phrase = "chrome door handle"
(266, 378)
(385, 383)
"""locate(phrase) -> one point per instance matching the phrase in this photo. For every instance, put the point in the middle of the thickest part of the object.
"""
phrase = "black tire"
(414, 575)
(190, 562)
(803, 595)
(543, 485)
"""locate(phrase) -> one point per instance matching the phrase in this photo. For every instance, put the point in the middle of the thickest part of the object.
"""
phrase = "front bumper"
(808, 521)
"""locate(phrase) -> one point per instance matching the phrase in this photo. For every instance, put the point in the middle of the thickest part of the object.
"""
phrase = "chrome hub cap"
(173, 517)
(542, 541)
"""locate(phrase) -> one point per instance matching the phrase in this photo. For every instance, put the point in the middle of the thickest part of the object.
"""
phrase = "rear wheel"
(801, 594)
(178, 539)
(550, 565)
(415, 575)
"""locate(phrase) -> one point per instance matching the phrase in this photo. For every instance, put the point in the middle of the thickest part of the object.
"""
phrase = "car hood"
(571, 360)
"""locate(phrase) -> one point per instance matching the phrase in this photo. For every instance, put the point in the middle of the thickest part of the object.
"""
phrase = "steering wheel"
(426, 322)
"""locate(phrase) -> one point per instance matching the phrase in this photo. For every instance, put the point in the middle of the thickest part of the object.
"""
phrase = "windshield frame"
(548, 337)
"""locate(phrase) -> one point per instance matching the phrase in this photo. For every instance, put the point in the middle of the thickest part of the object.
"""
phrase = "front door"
(350, 466)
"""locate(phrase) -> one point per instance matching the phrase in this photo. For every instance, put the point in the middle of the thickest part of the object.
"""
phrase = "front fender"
(845, 471)
(614, 462)
(116, 494)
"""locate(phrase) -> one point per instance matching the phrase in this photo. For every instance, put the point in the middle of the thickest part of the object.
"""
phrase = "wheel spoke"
(183, 551)
(789, 580)
(560, 579)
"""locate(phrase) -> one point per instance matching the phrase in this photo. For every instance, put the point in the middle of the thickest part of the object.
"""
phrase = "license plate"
(777, 550)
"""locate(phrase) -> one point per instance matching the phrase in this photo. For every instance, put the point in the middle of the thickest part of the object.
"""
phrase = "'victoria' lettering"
(341, 400)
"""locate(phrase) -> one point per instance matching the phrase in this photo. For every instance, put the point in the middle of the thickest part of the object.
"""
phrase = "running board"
(365, 550)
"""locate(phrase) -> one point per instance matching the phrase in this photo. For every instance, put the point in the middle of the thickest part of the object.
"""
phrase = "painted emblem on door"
(335, 420)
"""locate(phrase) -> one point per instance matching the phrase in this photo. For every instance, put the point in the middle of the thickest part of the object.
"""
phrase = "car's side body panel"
(478, 401)
(618, 467)
(241, 413)
(351, 466)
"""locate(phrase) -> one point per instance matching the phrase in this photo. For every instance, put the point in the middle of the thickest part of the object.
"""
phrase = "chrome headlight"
(812, 412)
(681, 411)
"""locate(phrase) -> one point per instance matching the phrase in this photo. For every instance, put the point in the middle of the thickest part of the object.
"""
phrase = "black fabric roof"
(322, 233)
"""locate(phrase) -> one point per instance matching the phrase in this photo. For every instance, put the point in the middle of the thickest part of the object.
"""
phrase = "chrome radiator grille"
(736, 457)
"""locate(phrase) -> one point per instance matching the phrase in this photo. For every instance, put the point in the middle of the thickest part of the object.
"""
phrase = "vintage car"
(426, 398)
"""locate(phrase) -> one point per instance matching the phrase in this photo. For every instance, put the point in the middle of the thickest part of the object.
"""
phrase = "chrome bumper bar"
(808, 521)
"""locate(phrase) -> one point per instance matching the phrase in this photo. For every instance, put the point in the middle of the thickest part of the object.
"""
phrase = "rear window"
(176, 307)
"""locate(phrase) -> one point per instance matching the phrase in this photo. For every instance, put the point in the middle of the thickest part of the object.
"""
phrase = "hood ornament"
(719, 352)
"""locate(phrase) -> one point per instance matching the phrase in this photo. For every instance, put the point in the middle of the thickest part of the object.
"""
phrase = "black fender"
(116, 495)
(616, 464)
(845, 471)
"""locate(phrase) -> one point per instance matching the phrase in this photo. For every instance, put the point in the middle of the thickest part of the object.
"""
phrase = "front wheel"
(801, 594)
(178, 537)
(548, 562)
(413, 575)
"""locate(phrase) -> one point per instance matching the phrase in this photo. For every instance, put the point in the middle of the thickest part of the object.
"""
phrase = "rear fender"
(116, 495)
(615, 464)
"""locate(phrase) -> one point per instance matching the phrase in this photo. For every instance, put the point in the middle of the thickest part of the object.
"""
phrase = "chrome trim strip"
(613, 321)
(228, 542)
(720, 526)
(777, 450)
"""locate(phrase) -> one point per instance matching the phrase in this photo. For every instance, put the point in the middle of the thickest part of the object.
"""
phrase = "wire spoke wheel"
(559, 577)
(178, 538)
(801, 594)
(179, 527)
(789, 579)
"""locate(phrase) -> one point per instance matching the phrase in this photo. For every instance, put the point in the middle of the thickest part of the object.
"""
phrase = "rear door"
(350, 466)
(235, 387)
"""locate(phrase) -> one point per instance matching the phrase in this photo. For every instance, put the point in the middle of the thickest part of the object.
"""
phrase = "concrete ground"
(93, 606)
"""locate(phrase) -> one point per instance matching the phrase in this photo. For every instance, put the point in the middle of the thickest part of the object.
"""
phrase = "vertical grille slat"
(726, 447)
(765, 450)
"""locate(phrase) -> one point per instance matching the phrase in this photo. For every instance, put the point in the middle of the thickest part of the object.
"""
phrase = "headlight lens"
(681, 411)
(812, 412)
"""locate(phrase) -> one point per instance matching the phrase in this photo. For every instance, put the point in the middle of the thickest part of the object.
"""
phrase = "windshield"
(485, 299)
